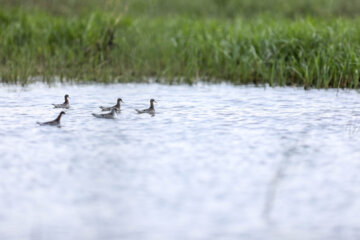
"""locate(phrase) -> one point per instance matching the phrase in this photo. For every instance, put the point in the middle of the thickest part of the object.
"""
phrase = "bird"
(55, 122)
(66, 104)
(150, 110)
(116, 107)
(110, 115)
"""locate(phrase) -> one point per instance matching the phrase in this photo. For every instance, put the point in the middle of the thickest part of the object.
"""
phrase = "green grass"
(195, 8)
(103, 47)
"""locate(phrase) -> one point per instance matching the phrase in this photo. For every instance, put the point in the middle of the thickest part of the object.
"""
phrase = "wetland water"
(216, 162)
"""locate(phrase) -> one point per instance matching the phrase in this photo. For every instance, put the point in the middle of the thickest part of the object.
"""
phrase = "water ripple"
(216, 162)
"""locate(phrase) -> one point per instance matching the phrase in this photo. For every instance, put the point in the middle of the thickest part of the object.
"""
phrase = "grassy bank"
(195, 8)
(107, 47)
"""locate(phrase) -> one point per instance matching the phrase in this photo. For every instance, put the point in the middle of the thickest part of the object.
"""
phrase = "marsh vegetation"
(297, 43)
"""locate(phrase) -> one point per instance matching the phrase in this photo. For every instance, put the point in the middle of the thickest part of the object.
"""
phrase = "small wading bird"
(55, 122)
(150, 110)
(110, 115)
(116, 107)
(66, 104)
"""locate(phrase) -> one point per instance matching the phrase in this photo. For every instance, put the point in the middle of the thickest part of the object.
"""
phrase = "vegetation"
(195, 8)
(182, 41)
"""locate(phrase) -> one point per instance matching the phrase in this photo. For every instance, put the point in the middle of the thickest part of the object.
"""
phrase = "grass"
(108, 46)
(195, 8)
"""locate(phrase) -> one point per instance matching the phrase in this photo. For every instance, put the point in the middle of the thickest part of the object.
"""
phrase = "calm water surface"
(216, 162)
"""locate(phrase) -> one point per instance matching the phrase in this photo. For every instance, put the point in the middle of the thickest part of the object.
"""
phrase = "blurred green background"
(196, 8)
(311, 43)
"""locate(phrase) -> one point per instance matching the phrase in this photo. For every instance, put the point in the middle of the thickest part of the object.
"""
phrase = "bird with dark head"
(150, 110)
(116, 107)
(66, 103)
(55, 122)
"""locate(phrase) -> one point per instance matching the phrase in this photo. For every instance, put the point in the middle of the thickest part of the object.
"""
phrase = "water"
(215, 162)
